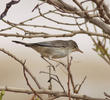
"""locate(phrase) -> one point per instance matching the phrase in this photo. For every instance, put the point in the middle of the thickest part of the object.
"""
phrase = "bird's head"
(74, 46)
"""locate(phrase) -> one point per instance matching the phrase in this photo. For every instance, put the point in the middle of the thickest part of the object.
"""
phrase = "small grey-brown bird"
(53, 49)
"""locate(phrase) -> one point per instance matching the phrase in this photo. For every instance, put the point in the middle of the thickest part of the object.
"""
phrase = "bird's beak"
(79, 50)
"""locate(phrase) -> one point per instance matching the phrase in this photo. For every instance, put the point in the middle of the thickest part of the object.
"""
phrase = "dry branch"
(8, 6)
(46, 35)
(22, 63)
(35, 93)
(57, 94)
(66, 8)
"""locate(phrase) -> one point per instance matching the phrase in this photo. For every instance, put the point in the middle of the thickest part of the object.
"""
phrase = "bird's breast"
(59, 52)
(52, 52)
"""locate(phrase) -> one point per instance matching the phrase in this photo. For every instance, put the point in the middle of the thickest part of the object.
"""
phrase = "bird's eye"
(75, 46)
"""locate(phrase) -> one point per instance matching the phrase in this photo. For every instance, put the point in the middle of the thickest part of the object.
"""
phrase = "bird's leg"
(58, 62)
(48, 62)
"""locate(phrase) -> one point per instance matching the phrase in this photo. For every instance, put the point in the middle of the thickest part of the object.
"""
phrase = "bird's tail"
(26, 44)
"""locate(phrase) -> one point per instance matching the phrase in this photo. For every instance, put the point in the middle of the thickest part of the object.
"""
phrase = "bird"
(53, 49)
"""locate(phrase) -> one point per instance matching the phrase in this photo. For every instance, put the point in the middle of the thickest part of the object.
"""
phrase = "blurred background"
(87, 64)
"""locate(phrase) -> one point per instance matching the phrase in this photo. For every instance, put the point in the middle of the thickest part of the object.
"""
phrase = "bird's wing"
(55, 43)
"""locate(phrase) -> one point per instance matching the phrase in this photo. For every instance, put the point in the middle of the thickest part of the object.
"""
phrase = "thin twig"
(58, 22)
(29, 83)
(30, 19)
(22, 63)
(57, 80)
(45, 26)
(8, 6)
(80, 85)
(46, 35)
(68, 69)
(24, 30)
(50, 82)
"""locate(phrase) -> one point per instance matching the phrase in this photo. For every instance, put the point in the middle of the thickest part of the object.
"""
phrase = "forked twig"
(57, 80)
(80, 85)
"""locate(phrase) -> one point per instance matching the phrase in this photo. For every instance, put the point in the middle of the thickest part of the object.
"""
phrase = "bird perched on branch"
(53, 49)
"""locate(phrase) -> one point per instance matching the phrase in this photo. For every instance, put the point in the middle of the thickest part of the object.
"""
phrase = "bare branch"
(46, 35)
(57, 94)
(45, 26)
(58, 22)
(30, 19)
(68, 82)
(103, 10)
(57, 80)
(8, 5)
(16, 90)
(80, 6)
(106, 94)
(80, 85)
(66, 8)
(26, 31)
(29, 83)
(22, 63)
